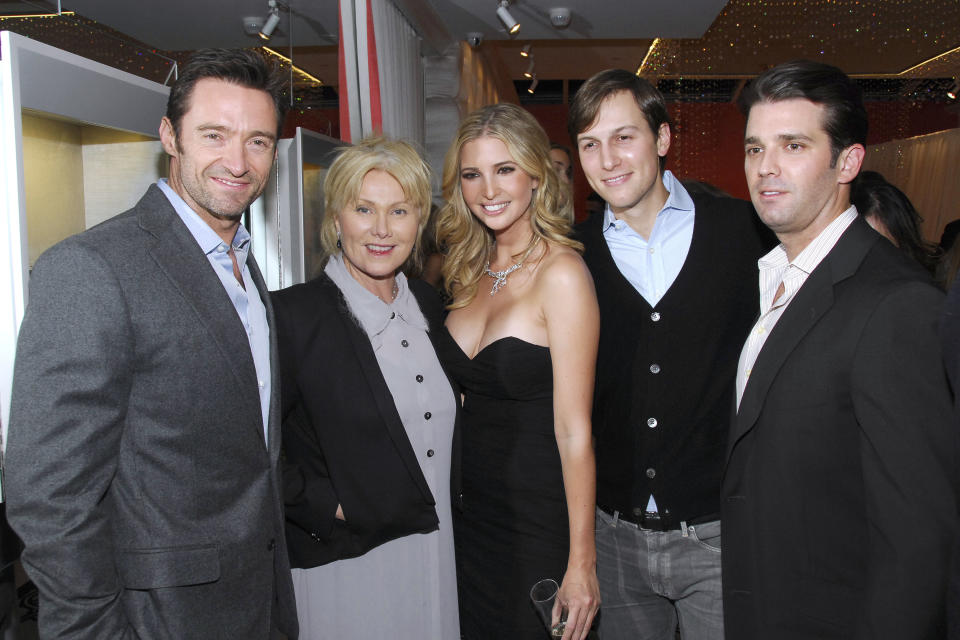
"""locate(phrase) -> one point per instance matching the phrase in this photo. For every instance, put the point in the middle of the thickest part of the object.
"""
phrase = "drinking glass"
(554, 615)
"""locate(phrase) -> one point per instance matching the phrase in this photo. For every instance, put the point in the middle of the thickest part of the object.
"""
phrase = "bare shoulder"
(563, 273)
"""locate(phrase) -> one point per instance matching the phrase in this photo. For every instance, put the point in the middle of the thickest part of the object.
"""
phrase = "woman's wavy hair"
(468, 241)
(875, 197)
(341, 186)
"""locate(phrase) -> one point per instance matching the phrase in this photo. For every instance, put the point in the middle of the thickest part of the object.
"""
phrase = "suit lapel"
(177, 254)
(273, 421)
(813, 299)
(810, 303)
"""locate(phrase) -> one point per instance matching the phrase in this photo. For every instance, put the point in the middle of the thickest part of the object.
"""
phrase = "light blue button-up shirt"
(651, 265)
(246, 299)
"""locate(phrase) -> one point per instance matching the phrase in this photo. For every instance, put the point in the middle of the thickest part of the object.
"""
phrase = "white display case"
(78, 143)
(285, 222)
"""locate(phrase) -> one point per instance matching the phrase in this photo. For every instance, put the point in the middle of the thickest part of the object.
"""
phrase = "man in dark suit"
(675, 278)
(839, 503)
(144, 431)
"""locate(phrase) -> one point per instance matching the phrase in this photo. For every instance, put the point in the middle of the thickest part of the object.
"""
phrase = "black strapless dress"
(513, 530)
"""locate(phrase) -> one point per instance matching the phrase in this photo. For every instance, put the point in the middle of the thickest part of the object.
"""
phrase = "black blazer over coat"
(839, 503)
(343, 440)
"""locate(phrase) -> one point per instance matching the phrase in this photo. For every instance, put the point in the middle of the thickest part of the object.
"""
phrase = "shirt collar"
(206, 237)
(814, 253)
(373, 313)
(677, 200)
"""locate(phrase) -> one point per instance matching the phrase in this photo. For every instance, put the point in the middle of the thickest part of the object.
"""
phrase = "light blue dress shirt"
(246, 299)
(651, 265)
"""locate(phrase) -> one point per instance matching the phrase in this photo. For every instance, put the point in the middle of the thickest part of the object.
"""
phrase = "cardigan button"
(652, 423)
(419, 378)
(429, 453)
(427, 415)
(651, 473)
(404, 343)
(655, 316)
(654, 368)
(393, 314)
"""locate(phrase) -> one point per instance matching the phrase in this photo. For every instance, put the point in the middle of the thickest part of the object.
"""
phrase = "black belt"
(655, 521)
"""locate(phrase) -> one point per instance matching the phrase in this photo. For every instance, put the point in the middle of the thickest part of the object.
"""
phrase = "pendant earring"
(339, 246)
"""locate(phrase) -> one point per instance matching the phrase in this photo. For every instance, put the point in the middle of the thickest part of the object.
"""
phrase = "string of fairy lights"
(915, 42)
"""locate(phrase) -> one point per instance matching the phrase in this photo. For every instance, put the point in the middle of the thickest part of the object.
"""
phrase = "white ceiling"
(177, 25)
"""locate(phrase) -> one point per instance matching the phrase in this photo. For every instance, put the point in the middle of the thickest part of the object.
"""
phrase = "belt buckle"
(651, 520)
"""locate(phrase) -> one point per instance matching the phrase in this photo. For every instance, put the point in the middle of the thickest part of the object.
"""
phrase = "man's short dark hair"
(243, 67)
(586, 103)
(846, 118)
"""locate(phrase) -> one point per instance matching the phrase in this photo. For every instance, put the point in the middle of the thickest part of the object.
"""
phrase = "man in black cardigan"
(676, 283)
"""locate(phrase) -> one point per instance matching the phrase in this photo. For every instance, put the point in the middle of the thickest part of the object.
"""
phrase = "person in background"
(947, 267)
(891, 214)
(595, 204)
(144, 437)
(839, 492)
(562, 162)
(676, 281)
(368, 414)
(521, 341)
(432, 271)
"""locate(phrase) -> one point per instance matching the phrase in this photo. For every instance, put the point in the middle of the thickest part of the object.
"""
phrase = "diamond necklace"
(500, 277)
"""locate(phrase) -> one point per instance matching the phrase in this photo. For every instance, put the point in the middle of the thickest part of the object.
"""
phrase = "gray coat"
(136, 468)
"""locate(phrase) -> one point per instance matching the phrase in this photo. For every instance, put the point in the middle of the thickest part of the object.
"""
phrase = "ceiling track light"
(533, 85)
(529, 72)
(273, 19)
(525, 50)
(509, 23)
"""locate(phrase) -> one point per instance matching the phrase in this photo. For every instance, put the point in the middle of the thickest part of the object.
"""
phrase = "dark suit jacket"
(839, 507)
(136, 469)
(950, 341)
(344, 442)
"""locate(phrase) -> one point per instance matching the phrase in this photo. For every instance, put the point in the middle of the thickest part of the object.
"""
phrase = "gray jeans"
(651, 581)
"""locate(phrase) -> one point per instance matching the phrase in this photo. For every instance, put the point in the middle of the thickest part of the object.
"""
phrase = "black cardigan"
(663, 429)
(343, 441)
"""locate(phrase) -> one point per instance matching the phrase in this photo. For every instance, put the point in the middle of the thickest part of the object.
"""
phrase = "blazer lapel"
(178, 255)
(810, 303)
(808, 306)
(273, 421)
(384, 401)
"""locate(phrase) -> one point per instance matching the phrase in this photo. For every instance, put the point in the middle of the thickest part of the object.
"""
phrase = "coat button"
(651, 472)
(655, 316)
(404, 343)
(393, 314)
(429, 453)
(271, 545)
(419, 378)
(652, 423)
(654, 368)
(427, 415)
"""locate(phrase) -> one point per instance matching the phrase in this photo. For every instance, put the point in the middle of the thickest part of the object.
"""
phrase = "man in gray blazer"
(142, 461)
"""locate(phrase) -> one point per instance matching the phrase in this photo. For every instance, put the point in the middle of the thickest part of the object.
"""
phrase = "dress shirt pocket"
(168, 566)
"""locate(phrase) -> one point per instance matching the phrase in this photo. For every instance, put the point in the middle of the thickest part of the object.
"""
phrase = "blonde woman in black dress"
(522, 343)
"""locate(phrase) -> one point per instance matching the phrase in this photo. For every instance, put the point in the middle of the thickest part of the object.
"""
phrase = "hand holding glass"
(551, 611)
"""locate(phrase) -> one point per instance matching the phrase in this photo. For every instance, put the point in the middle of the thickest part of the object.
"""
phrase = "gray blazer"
(136, 468)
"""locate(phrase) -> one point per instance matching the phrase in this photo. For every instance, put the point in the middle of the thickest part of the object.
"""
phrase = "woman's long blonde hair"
(468, 241)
